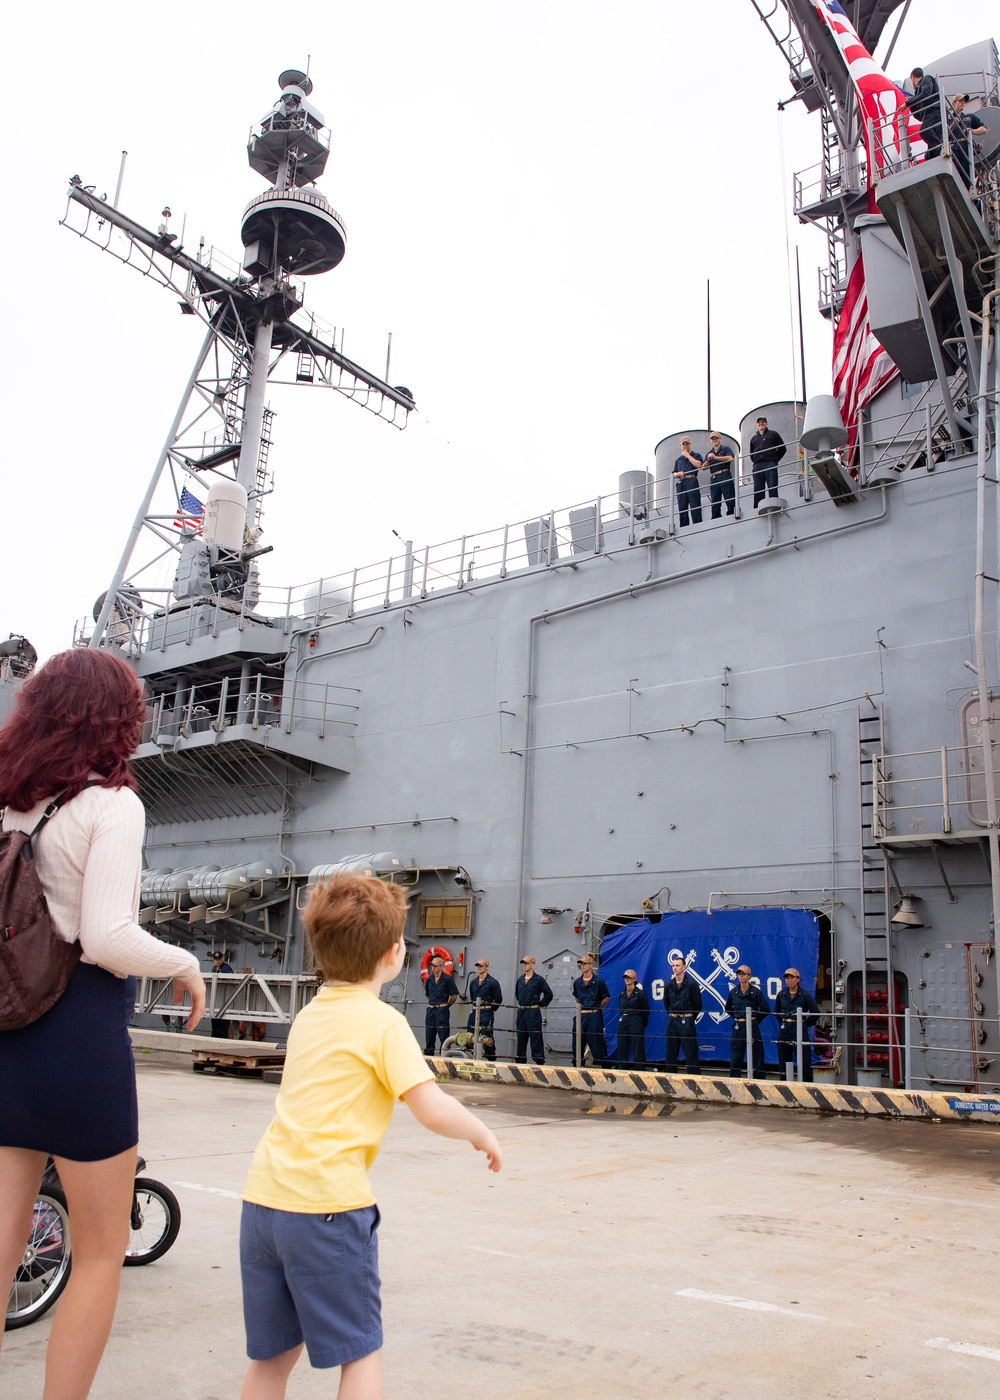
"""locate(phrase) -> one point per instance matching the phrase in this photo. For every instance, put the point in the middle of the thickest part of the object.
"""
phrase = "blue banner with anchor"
(766, 940)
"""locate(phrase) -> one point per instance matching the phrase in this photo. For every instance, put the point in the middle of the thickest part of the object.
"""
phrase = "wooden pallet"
(248, 1063)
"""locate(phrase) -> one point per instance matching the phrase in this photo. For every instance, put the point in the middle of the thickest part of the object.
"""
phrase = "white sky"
(535, 192)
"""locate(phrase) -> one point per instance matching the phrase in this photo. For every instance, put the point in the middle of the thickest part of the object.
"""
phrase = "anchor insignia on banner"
(724, 965)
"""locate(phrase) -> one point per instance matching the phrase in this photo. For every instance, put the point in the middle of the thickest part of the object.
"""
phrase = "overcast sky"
(535, 192)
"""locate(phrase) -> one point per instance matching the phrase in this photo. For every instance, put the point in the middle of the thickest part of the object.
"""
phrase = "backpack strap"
(27, 850)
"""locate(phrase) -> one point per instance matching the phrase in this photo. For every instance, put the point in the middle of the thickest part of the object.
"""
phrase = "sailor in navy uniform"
(592, 996)
(721, 486)
(220, 1026)
(532, 994)
(686, 469)
(682, 1003)
(633, 1018)
(746, 1000)
(766, 450)
(441, 993)
(485, 990)
(788, 1001)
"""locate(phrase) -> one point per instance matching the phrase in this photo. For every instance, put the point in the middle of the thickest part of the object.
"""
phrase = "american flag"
(883, 104)
(189, 506)
(861, 367)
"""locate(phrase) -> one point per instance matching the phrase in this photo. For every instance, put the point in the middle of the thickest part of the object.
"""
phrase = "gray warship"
(601, 719)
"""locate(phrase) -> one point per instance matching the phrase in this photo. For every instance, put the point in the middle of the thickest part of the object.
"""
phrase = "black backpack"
(35, 963)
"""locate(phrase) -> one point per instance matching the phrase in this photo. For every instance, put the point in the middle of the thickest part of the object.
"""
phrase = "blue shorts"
(312, 1279)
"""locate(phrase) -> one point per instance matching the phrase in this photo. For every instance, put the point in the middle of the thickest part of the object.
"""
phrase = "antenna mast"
(214, 461)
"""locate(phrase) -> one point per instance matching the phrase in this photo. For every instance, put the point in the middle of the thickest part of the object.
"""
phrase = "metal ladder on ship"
(264, 484)
(878, 1009)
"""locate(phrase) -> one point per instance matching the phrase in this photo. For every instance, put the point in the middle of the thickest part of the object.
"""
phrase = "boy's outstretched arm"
(434, 1109)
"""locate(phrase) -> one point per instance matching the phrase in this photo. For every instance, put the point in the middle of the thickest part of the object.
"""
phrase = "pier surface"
(627, 1251)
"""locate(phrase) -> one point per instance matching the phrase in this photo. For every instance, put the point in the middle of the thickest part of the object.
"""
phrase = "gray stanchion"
(799, 1045)
(578, 1057)
(750, 1073)
(475, 1036)
(907, 1048)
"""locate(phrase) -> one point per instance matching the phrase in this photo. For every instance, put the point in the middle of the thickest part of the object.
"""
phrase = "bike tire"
(44, 1270)
(159, 1214)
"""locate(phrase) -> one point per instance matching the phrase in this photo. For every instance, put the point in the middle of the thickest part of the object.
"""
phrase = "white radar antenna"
(203, 501)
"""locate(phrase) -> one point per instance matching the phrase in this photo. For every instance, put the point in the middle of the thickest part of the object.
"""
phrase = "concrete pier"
(629, 1250)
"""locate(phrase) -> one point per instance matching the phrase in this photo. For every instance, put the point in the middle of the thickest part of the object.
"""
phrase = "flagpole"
(802, 339)
(708, 352)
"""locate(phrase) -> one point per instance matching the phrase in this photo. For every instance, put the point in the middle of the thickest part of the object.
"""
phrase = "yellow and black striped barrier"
(647, 1085)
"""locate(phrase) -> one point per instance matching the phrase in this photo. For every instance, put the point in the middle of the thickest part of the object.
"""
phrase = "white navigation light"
(823, 430)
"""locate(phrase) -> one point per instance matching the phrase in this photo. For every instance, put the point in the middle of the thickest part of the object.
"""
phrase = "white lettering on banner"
(773, 987)
(656, 989)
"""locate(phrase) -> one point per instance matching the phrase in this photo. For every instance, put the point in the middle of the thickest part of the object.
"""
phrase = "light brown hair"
(351, 922)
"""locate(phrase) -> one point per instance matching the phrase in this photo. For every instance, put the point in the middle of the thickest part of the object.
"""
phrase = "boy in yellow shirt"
(308, 1237)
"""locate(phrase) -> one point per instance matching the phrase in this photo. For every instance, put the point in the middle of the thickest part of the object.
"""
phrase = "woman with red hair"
(67, 1080)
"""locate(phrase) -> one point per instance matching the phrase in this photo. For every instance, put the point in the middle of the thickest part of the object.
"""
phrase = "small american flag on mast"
(190, 513)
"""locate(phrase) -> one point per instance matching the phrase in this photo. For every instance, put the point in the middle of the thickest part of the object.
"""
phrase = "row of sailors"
(746, 1004)
(767, 448)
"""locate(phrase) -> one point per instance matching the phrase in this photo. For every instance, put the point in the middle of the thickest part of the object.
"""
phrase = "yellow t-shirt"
(350, 1057)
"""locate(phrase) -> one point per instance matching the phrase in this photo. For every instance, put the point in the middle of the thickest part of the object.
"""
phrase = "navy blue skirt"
(67, 1081)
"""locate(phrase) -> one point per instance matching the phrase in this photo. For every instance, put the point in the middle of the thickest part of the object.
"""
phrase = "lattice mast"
(257, 333)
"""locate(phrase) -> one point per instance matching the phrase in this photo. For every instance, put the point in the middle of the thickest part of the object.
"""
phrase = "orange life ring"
(435, 952)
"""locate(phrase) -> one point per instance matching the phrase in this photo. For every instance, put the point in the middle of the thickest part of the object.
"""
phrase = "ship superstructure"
(599, 715)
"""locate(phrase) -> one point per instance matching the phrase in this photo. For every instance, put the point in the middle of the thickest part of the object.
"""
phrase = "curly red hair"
(82, 713)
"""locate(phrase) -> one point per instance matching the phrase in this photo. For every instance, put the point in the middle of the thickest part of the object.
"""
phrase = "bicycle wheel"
(156, 1220)
(44, 1271)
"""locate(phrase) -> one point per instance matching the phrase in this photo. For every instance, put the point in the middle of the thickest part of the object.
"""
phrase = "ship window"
(445, 916)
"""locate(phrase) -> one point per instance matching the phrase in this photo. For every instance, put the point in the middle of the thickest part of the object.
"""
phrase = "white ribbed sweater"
(88, 859)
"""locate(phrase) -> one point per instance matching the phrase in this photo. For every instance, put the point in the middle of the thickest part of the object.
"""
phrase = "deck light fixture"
(906, 915)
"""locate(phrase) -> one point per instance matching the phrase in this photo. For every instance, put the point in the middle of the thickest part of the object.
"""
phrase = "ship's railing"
(815, 184)
(905, 1046)
(259, 702)
(933, 793)
(891, 152)
(273, 998)
(916, 435)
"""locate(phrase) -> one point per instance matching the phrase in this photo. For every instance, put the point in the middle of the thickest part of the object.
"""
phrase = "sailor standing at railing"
(220, 1026)
(441, 993)
(686, 469)
(925, 104)
(721, 486)
(766, 450)
(633, 1018)
(682, 1003)
(746, 1002)
(485, 992)
(592, 996)
(792, 998)
(961, 126)
(532, 994)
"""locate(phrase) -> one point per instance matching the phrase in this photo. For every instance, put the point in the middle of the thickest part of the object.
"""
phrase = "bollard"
(749, 1016)
(799, 1045)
